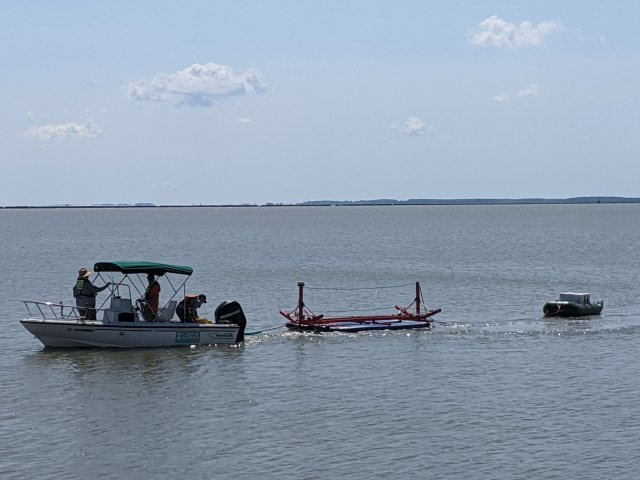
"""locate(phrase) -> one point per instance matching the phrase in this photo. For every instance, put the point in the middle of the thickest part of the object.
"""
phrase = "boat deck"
(354, 327)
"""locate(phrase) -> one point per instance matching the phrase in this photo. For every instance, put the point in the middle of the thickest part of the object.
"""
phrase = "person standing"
(85, 294)
(152, 299)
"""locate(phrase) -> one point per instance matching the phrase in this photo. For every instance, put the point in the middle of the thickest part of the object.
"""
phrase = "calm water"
(495, 391)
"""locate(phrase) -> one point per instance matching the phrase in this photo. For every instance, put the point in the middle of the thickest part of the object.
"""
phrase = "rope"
(361, 288)
(358, 310)
(372, 308)
(273, 328)
(264, 330)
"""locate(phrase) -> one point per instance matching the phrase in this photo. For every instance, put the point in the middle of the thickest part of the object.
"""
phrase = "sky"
(247, 101)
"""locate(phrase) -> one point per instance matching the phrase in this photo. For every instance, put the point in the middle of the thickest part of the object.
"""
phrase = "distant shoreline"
(376, 202)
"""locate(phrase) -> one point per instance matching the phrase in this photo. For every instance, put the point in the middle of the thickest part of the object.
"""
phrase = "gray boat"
(571, 304)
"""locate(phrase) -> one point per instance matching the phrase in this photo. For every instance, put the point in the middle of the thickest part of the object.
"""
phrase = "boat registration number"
(187, 337)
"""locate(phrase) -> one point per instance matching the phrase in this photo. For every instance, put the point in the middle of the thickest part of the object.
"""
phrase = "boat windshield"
(575, 297)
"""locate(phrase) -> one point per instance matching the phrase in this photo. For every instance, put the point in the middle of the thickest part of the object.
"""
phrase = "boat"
(410, 317)
(120, 321)
(570, 304)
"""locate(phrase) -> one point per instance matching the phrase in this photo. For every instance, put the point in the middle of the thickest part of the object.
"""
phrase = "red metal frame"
(302, 316)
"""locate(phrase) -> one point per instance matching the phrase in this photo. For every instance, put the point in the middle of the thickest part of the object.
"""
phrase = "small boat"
(411, 317)
(121, 323)
(571, 304)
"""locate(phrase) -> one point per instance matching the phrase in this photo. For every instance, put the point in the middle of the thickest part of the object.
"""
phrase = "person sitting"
(151, 299)
(85, 294)
(187, 309)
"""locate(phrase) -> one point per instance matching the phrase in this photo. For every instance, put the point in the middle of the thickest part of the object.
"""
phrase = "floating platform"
(411, 317)
(354, 327)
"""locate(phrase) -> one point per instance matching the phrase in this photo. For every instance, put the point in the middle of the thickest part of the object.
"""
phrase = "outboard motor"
(231, 312)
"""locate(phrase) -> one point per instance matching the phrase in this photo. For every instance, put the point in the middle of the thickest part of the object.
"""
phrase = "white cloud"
(502, 98)
(163, 185)
(529, 91)
(69, 130)
(241, 120)
(30, 115)
(197, 85)
(496, 32)
(414, 126)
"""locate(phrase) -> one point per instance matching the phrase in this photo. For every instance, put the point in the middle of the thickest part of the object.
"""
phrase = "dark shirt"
(192, 308)
(85, 292)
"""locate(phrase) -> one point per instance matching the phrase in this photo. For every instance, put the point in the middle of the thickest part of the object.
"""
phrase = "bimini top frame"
(131, 271)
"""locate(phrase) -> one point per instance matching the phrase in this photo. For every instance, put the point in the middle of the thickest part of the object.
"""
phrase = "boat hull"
(567, 309)
(73, 334)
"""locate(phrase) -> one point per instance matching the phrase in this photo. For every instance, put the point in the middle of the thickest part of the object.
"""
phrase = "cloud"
(415, 126)
(495, 32)
(502, 98)
(529, 91)
(196, 86)
(163, 185)
(69, 130)
(241, 120)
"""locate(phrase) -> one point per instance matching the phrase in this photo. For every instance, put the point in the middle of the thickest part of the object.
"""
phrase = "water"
(495, 391)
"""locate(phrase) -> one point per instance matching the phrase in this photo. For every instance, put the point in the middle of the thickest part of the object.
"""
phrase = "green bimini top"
(142, 267)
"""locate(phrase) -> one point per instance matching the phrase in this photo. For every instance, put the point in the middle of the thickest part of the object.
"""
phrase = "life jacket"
(79, 288)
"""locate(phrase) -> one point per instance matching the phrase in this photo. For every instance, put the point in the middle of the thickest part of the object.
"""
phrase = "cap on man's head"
(84, 273)
(203, 298)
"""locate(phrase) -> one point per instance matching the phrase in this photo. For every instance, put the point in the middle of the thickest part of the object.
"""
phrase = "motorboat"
(120, 321)
(570, 304)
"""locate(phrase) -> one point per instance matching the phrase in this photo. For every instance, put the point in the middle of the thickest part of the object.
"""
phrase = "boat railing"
(57, 311)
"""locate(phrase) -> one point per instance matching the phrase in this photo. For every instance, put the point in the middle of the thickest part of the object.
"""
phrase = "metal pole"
(417, 298)
(300, 301)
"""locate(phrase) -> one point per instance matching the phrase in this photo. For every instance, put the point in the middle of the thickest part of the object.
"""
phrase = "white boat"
(120, 322)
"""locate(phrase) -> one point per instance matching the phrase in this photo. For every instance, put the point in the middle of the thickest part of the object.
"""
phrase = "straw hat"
(84, 273)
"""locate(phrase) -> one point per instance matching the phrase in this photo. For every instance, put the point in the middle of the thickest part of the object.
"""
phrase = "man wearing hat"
(85, 294)
(187, 309)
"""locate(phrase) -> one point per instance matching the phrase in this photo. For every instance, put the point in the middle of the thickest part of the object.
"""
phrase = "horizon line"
(370, 202)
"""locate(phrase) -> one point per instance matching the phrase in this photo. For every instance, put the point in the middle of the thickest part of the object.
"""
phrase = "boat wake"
(522, 326)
